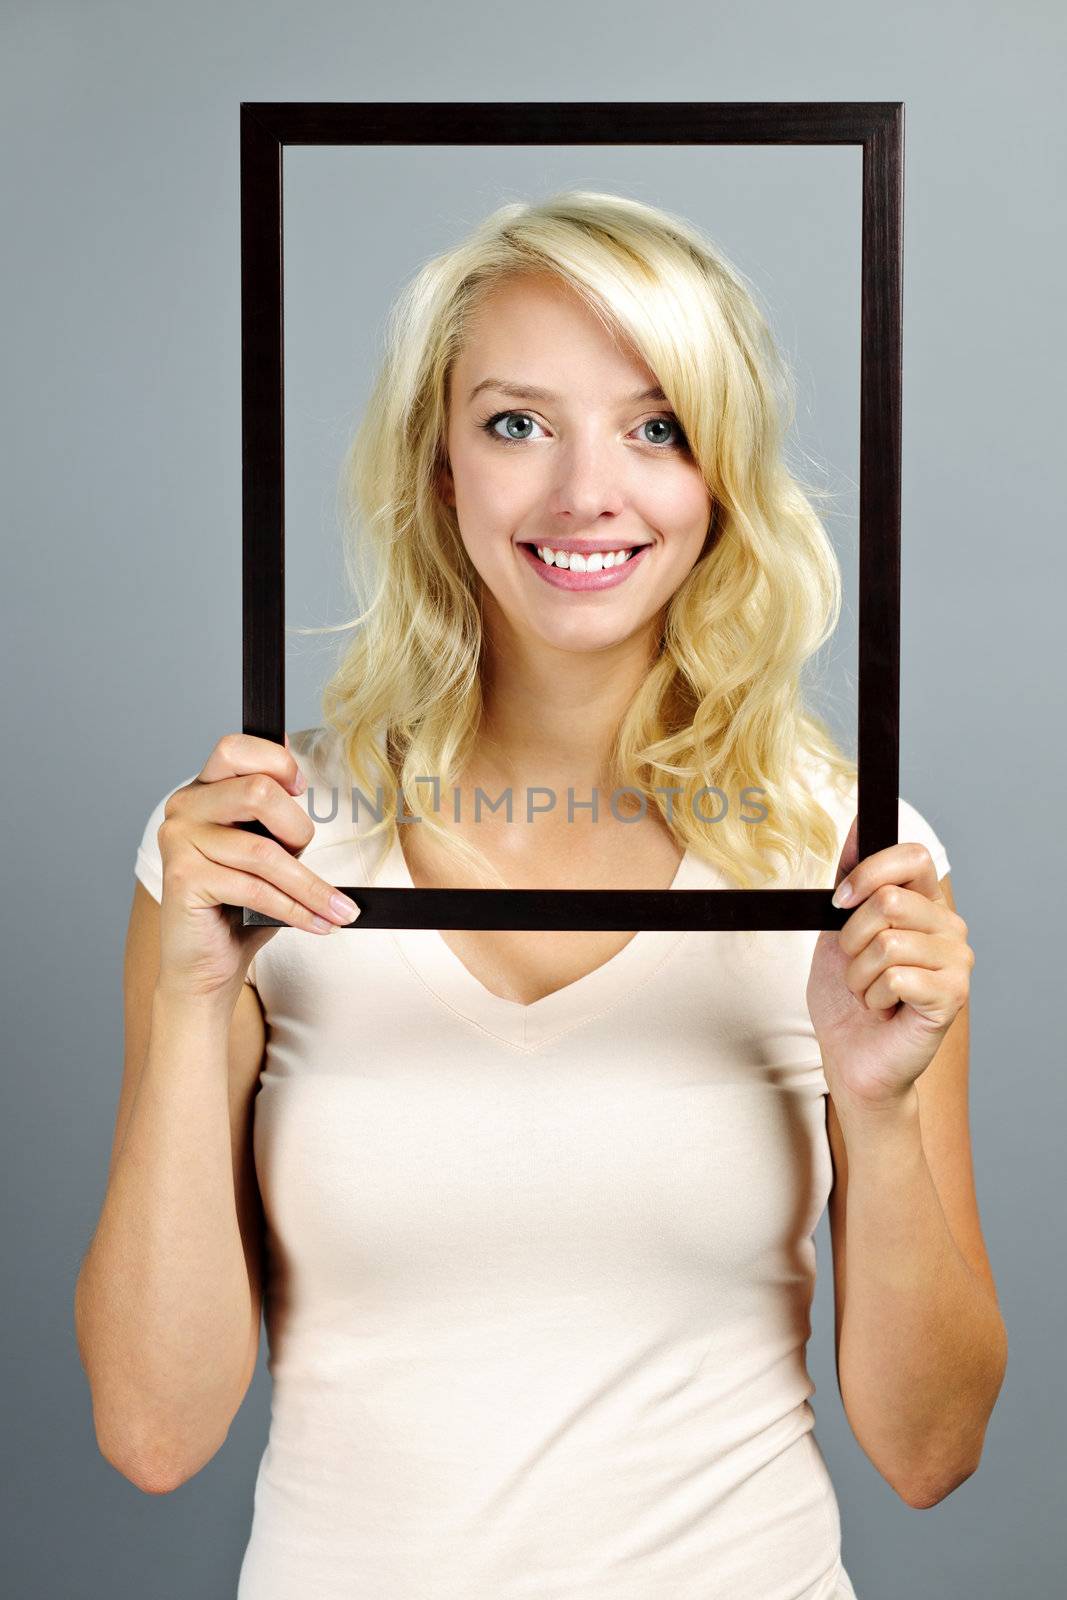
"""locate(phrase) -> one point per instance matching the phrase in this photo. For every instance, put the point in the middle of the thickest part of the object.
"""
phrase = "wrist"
(879, 1124)
(173, 1003)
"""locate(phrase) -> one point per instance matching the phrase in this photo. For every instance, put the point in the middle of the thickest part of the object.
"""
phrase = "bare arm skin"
(167, 1306)
(921, 1343)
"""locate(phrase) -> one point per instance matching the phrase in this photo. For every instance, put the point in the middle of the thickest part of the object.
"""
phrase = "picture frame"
(266, 128)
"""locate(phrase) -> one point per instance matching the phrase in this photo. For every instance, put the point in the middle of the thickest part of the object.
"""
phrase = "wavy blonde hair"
(721, 705)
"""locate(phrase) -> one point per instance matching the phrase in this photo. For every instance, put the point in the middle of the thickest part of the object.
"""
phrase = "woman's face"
(561, 447)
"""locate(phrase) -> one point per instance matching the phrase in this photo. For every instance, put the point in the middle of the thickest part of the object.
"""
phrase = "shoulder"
(344, 849)
(840, 797)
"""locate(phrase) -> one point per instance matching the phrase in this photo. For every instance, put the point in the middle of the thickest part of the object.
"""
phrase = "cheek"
(493, 501)
(680, 508)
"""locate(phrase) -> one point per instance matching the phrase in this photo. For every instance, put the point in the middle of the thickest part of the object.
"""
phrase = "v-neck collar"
(527, 1026)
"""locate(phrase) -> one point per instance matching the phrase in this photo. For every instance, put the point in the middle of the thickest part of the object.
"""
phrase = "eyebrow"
(527, 391)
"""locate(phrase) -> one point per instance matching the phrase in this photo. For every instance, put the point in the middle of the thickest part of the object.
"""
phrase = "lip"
(564, 578)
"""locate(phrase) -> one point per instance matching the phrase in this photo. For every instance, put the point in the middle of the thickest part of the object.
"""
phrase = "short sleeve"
(913, 828)
(148, 865)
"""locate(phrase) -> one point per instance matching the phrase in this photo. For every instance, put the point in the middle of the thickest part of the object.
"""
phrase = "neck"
(549, 717)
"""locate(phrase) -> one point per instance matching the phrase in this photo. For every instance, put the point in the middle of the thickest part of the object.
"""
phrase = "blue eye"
(679, 442)
(490, 426)
(660, 422)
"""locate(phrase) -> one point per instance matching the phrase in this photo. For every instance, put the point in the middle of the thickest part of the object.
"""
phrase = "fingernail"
(300, 783)
(344, 907)
(843, 893)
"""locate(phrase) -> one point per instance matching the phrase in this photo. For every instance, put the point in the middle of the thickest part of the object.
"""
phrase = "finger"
(910, 865)
(899, 947)
(238, 753)
(893, 906)
(217, 884)
(251, 854)
(255, 797)
(936, 993)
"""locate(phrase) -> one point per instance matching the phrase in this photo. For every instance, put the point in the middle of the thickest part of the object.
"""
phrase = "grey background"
(121, 636)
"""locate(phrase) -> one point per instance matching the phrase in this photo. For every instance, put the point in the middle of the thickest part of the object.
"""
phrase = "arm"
(921, 1344)
(167, 1305)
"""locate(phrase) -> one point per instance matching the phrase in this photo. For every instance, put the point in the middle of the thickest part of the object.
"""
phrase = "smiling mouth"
(602, 560)
(585, 579)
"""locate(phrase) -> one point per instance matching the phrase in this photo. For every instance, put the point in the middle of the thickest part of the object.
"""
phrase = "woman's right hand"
(211, 867)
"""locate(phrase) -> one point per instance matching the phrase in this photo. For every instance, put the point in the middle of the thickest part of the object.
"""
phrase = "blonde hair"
(722, 703)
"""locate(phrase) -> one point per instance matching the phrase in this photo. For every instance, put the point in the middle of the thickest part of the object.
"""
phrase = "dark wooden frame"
(266, 128)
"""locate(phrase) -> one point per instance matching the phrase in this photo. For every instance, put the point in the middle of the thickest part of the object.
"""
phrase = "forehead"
(525, 322)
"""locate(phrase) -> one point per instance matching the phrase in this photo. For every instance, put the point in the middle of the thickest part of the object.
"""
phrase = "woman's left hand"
(884, 990)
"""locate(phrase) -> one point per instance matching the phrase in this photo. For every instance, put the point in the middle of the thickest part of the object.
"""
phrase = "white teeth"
(600, 560)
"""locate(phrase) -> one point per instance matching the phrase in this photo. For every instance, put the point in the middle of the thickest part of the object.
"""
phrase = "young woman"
(532, 1212)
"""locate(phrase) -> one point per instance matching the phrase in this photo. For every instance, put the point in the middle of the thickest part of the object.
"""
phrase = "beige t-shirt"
(539, 1276)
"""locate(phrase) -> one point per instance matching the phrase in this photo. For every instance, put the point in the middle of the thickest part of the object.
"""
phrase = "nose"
(587, 483)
